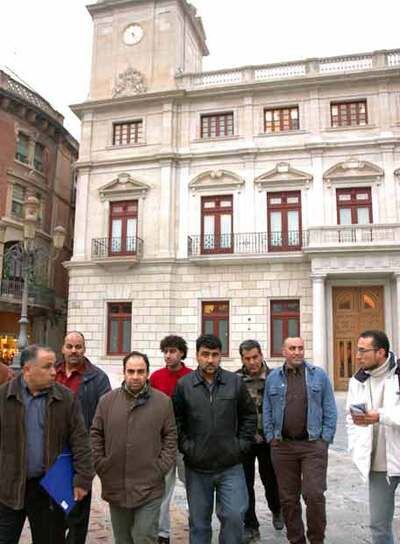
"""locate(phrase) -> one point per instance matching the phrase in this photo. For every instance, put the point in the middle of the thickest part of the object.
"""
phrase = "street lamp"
(25, 255)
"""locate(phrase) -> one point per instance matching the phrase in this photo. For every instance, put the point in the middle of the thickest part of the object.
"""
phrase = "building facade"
(37, 155)
(256, 202)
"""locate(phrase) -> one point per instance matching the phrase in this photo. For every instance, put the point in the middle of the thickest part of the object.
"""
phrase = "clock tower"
(140, 45)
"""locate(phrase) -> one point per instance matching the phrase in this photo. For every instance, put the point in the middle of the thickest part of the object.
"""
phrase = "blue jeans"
(381, 506)
(229, 485)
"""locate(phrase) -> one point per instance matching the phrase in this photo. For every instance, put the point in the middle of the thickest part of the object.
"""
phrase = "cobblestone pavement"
(347, 505)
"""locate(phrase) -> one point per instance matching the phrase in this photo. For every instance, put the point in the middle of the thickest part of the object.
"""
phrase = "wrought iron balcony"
(104, 248)
(39, 295)
(352, 236)
(253, 243)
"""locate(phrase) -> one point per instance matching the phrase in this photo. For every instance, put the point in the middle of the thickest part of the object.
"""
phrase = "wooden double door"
(355, 309)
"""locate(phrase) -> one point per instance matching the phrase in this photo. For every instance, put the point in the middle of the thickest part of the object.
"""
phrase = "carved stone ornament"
(283, 175)
(355, 170)
(124, 186)
(128, 82)
(216, 179)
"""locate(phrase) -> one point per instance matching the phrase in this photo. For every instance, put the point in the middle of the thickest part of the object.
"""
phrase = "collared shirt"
(35, 416)
(295, 416)
(74, 380)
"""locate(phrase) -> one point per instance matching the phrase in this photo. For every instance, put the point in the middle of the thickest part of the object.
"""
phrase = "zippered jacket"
(64, 426)
(360, 439)
(215, 427)
(321, 406)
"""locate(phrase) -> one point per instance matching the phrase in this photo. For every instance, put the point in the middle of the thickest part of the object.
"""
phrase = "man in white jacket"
(373, 424)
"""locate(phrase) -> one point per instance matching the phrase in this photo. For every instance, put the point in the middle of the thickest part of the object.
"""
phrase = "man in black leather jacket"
(216, 419)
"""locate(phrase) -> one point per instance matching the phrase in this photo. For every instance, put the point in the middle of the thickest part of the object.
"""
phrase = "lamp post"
(25, 255)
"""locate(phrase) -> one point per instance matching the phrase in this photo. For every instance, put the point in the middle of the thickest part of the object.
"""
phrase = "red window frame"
(118, 311)
(285, 241)
(353, 203)
(128, 132)
(283, 315)
(222, 243)
(348, 114)
(219, 313)
(126, 246)
(216, 125)
(282, 119)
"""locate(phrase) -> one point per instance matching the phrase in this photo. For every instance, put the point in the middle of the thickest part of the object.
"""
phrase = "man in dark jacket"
(216, 420)
(134, 446)
(38, 419)
(88, 383)
(254, 373)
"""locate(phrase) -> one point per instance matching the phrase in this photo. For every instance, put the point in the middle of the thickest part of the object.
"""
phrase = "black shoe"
(250, 534)
(277, 521)
(163, 540)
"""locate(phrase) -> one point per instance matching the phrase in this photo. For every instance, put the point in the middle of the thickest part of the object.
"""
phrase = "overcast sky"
(48, 42)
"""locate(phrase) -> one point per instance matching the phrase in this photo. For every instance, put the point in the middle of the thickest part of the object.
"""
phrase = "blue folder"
(58, 481)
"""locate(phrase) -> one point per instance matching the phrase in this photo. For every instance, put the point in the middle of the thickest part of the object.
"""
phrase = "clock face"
(133, 34)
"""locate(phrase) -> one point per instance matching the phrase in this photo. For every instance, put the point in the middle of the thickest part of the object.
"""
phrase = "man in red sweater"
(174, 349)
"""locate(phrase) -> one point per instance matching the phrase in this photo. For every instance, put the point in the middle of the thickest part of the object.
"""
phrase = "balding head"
(293, 351)
(74, 349)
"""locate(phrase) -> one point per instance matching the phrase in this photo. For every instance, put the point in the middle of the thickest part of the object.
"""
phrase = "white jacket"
(360, 438)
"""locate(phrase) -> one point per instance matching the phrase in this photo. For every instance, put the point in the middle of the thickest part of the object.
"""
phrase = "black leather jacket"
(215, 427)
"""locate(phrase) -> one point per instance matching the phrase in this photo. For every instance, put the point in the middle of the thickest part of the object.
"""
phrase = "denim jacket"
(321, 406)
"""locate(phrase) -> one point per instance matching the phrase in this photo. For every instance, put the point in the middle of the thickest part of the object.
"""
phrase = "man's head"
(208, 353)
(293, 351)
(136, 370)
(74, 348)
(175, 350)
(252, 357)
(38, 367)
(372, 349)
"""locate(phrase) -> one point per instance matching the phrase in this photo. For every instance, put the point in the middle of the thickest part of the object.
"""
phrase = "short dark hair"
(173, 341)
(30, 353)
(379, 339)
(136, 354)
(208, 341)
(247, 345)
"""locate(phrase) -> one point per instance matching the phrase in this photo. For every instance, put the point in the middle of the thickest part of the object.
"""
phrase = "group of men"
(208, 425)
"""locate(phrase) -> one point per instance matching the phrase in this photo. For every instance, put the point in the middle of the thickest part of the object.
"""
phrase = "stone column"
(81, 216)
(319, 322)
(396, 339)
(167, 209)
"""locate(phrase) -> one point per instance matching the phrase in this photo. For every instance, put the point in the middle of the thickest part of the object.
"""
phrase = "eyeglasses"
(361, 351)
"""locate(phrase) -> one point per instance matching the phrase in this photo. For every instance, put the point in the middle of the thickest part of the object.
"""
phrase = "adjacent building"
(261, 201)
(37, 155)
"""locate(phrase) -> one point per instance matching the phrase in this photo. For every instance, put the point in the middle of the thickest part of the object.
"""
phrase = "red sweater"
(164, 380)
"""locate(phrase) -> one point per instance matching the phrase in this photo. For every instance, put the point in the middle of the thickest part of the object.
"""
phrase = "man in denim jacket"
(299, 423)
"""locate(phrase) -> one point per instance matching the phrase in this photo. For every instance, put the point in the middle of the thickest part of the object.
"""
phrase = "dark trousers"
(300, 468)
(46, 518)
(262, 453)
(78, 521)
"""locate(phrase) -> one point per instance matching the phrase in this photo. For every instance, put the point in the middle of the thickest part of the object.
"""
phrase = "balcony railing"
(295, 69)
(42, 296)
(103, 248)
(253, 243)
(352, 235)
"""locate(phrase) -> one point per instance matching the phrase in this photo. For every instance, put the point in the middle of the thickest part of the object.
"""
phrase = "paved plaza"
(347, 500)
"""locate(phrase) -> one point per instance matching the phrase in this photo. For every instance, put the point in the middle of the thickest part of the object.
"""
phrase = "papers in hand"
(58, 481)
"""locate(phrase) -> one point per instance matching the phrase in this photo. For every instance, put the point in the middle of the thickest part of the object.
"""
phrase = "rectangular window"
(22, 153)
(17, 201)
(348, 114)
(123, 227)
(216, 224)
(128, 133)
(354, 206)
(284, 221)
(215, 320)
(217, 125)
(119, 328)
(38, 157)
(285, 322)
(281, 119)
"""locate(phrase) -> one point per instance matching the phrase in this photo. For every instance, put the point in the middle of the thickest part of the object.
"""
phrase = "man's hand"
(274, 442)
(79, 493)
(363, 420)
